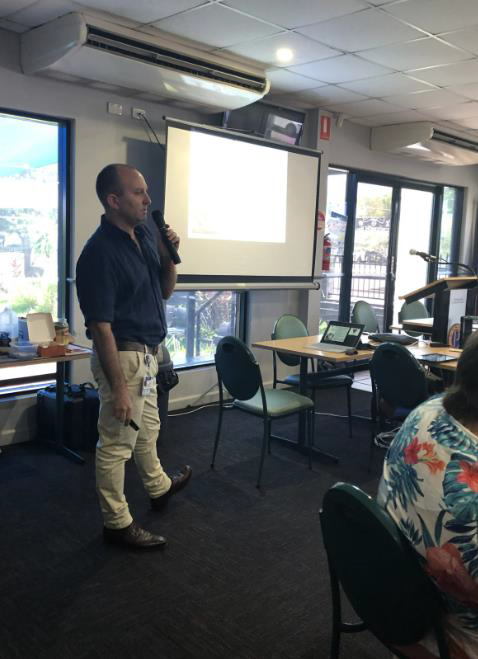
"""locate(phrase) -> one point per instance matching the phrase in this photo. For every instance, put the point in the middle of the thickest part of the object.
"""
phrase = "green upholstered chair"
(289, 326)
(380, 574)
(410, 311)
(239, 372)
(364, 314)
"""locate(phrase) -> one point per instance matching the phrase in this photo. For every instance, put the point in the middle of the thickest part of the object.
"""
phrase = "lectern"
(453, 299)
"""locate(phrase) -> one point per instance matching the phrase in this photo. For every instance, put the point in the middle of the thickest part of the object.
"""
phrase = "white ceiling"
(376, 62)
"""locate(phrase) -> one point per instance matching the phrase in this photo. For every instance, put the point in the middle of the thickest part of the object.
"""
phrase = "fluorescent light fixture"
(284, 55)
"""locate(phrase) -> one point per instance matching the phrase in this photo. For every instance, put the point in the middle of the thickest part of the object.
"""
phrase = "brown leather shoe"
(178, 481)
(133, 537)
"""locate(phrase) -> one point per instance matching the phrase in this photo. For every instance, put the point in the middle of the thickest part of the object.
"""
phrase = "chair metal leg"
(265, 441)
(310, 428)
(349, 408)
(218, 432)
(336, 615)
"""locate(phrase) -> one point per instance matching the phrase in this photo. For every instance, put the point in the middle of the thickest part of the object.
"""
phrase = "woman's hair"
(461, 400)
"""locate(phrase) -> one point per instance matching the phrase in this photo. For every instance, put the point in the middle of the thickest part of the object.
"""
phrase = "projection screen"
(244, 207)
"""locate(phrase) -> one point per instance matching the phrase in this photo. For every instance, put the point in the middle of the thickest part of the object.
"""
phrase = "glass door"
(371, 269)
(372, 222)
(414, 232)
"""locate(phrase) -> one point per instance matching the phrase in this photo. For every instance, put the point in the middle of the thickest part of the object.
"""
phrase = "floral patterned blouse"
(430, 488)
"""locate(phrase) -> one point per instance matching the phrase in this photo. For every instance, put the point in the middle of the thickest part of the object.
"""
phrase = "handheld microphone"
(159, 222)
(423, 255)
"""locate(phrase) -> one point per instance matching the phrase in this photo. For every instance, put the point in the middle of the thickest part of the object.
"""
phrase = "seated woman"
(430, 488)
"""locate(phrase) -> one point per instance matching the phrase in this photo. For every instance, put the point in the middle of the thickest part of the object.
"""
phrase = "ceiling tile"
(304, 49)
(449, 74)
(5, 24)
(215, 25)
(467, 39)
(386, 85)
(8, 7)
(436, 16)
(362, 108)
(143, 11)
(469, 90)
(415, 54)
(290, 100)
(282, 80)
(340, 69)
(331, 94)
(299, 12)
(365, 29)
(433, 98)
(461, 111)
(390, 118)
(42, 12)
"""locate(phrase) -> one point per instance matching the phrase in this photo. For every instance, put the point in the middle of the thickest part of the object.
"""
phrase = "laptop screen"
(342, 334)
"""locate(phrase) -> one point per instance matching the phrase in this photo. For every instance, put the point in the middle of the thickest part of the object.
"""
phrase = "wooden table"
(422, 325)
(74, 352)
(305, 347)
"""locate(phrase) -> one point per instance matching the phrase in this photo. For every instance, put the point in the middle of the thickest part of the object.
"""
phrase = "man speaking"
(122, 278)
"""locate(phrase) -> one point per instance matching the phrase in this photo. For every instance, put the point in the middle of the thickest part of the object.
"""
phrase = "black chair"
(289, 326)
(380, 574)
(239, 372)
(399, 384)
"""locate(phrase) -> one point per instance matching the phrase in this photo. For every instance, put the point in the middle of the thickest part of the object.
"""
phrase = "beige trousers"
(118, 442)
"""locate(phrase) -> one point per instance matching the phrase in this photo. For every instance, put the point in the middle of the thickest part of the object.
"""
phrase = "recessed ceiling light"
(284, 55)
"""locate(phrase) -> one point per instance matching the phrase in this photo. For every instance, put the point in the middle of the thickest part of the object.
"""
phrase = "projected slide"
(245, 208)
(248, 205)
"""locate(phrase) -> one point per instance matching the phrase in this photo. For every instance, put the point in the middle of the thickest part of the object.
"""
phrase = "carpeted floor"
(244, 575)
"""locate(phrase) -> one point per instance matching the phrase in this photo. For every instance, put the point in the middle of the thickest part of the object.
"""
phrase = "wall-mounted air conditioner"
(425, 141)
(87, 48)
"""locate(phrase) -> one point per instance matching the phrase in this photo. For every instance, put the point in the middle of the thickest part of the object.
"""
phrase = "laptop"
(340, 337)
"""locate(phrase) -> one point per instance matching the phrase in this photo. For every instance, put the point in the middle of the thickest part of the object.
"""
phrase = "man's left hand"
(173, 236)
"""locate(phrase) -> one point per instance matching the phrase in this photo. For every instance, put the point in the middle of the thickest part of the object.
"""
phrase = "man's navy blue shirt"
(118, 284)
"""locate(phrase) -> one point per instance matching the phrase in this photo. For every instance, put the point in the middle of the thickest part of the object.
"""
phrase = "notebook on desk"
(339, 337)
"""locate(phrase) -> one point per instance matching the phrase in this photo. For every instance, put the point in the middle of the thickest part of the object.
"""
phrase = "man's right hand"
(122, 405)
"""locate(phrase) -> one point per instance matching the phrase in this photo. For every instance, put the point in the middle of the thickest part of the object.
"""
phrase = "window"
(32, 201)
(448, 243)
(373, 221)
(197, 321)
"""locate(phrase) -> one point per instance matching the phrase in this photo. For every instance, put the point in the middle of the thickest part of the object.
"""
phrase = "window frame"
(242, 305)
(65, 296)
(354, 176)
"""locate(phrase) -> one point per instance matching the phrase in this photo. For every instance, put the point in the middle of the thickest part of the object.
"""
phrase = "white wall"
(100, 138)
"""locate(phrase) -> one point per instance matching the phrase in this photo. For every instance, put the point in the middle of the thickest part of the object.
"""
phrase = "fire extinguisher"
(326, 253)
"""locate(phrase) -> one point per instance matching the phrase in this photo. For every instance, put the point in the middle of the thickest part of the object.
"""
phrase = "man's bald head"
(109, 181)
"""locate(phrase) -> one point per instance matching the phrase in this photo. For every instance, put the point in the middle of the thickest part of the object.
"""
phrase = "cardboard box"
(38, 329)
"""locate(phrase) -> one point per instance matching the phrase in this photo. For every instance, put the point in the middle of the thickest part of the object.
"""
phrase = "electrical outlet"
(115, 108)
(138, 113)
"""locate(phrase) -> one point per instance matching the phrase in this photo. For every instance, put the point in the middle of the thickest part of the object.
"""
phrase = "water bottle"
(9, 322)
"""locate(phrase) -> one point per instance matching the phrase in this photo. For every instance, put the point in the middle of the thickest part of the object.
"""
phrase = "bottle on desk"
(62, 332)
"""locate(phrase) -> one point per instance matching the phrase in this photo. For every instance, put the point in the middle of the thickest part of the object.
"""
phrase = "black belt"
(137, 347)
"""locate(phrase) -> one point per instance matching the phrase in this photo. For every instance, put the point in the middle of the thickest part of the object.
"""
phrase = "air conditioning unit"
(84, 47)
(425, 141)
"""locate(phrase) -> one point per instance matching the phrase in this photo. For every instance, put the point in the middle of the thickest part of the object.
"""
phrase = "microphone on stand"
(433, 258)
(423, 255)
(158, 219)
